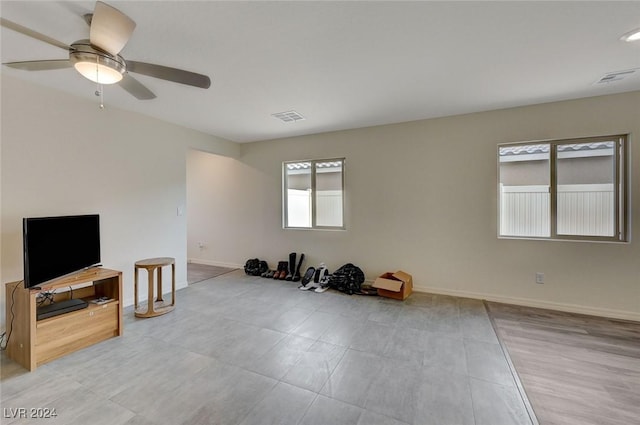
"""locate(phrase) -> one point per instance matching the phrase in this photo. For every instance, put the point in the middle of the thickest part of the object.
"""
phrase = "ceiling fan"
(98, 57)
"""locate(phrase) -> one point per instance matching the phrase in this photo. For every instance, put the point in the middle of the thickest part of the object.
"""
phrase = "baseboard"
(215, 263)
(527, 302)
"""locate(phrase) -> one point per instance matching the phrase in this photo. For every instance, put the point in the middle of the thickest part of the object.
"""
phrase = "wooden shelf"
(34, 342)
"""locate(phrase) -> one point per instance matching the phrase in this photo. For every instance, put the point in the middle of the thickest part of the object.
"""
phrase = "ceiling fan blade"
(136, 88)
(45, 65)
(33, 34)
(170, 74)
(110, 28)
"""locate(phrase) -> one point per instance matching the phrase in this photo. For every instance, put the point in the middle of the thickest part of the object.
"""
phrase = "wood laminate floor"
(575, 369)
(199, 272)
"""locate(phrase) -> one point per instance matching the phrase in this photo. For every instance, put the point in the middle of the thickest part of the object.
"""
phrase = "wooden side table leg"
(150, 295)
(173, 284)
(159, 284)
(135, 288)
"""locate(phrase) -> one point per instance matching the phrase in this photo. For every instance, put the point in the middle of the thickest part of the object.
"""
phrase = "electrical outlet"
(539, 277)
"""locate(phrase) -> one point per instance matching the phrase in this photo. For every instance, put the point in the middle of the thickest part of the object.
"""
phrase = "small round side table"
(158, 307)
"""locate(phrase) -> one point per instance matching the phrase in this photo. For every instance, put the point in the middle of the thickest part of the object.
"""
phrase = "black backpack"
(255, 267)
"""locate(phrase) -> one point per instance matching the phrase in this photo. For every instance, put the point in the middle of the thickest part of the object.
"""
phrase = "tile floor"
(246, 350)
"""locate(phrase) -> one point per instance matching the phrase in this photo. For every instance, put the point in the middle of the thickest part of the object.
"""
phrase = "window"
(314, 194)
(564, 189)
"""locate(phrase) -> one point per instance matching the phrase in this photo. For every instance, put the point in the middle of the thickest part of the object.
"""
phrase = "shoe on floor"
(308, 276)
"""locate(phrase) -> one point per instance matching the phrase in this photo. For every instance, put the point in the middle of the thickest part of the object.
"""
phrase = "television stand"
(35, 342)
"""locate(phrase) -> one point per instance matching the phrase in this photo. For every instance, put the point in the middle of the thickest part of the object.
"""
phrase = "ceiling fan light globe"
(96, 65)
(634, 37)
(98, 73)
(631, 36)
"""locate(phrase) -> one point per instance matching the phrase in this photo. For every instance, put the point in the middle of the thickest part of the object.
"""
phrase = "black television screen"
(56, 246)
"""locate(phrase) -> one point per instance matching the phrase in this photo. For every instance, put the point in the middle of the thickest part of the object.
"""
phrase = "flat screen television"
(56, 246)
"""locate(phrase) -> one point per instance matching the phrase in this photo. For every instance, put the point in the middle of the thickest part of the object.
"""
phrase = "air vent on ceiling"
(615, 76)
(288, 116)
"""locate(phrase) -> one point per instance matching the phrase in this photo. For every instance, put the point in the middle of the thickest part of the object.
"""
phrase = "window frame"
(285, 197)
(622, 190)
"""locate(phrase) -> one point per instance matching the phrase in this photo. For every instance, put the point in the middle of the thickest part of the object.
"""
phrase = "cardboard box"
(398, 285)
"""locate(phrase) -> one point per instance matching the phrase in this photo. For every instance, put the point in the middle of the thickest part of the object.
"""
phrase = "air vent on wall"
(288, 116)
(615, 76)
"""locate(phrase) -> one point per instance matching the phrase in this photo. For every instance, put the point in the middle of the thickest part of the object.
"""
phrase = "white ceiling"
(343, 65)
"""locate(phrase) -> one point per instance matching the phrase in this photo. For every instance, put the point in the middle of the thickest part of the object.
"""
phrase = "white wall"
(422, 197)
(223, 211)
(63, 155)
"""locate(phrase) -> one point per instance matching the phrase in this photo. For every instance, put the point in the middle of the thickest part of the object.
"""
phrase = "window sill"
(532, 238)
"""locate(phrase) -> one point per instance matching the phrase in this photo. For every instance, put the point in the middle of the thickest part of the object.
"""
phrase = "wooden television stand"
(35, 342)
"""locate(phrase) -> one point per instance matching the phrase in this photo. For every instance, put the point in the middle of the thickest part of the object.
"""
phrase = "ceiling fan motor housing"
(95, 64)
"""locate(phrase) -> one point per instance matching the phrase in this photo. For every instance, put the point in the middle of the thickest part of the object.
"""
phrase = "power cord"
(3, 343)
(44, 297)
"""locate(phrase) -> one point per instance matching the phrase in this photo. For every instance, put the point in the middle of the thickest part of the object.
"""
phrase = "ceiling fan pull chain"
(97, 70)
(99, 89)
(100, 92)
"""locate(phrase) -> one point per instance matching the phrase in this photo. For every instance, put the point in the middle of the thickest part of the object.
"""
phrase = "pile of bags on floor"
(255, 267)
(347, 279)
